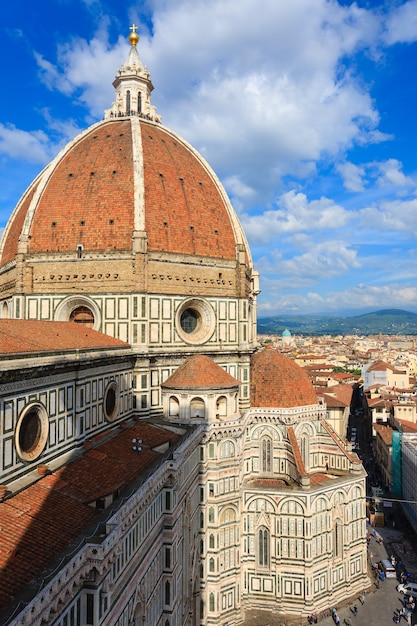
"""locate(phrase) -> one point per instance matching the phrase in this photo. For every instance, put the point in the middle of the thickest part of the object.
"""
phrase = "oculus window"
(195, 321)
(32, 431)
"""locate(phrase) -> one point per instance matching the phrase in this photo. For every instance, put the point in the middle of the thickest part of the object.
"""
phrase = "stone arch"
(174, 407)
(227, 449)
(291, 506)
(197, 408)
(221, 407)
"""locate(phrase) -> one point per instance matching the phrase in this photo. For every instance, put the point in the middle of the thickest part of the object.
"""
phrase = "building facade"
(164, 469)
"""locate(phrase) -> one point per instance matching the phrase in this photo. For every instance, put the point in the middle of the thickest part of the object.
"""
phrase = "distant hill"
(384, 322)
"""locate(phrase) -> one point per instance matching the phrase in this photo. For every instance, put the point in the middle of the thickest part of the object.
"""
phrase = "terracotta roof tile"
(185, 212)
(34, 336)
(88, 197)
(39, 523)
(200, 372)
(385, 432)
(277, 381)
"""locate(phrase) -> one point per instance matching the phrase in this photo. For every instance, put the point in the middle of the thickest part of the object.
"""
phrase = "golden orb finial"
(133, 37)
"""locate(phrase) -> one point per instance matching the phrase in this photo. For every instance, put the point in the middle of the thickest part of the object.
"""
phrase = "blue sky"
(306, 110)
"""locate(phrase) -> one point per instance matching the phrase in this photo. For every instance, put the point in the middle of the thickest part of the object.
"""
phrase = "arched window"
(128, 102)
(263, 547)
(211, 565)
(198, 408)
(221, 407)
(211, 602)
(174, 407)
(266, 454)
(211, 541)
(227, 450)
(338, 539)
(139, 102)
(211, 514)
(82, 315)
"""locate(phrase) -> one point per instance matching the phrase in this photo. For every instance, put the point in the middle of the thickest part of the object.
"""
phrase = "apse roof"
(277, 381)
(200, 372)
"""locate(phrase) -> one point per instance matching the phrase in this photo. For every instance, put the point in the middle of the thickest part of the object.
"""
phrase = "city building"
(158, 468)
(382, 373)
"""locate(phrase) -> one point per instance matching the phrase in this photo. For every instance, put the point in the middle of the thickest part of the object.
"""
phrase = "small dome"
(278, 382)
(200, 372)
(286, 333)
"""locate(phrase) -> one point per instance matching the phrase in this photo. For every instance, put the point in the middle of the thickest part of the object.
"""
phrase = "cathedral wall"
(271, 543)
(150, 320)
(67, 405)
(140, 567)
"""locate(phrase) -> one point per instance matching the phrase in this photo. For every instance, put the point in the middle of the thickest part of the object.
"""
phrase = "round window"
(82, 315)
(195, 321)
(111, 401)
(32, 432)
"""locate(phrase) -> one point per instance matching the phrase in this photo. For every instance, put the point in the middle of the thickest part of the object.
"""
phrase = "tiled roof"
(333, 402)
(33, 336)
(382, 366)
(406, 426)
(385, 433)
(39, 523)
(88, 197)
(185, 212)
(200, 372)
(276, 381)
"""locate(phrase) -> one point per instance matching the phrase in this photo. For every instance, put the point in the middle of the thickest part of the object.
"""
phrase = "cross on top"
(133, 28)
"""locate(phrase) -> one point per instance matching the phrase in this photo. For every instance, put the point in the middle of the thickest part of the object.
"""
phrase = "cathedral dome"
(278, 382)
(130, 232)
(126, 184)
(121, 177)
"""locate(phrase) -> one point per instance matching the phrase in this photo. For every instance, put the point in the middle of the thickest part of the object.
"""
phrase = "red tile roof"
(385, 432)
(88, 198)
(277, 381)
(200, 372)
(382, 366)
(38, 524)
(33, 336)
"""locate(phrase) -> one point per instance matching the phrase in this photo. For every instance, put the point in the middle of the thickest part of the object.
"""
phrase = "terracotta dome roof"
(277, 381)
(200, 372)
(119, 177)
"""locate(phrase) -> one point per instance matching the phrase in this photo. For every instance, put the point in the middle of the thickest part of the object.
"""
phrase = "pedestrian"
(355, 610)
(362, 599)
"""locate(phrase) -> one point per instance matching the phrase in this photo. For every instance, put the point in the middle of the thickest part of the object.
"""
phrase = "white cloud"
(355, 298)
(33, 146)
(321, 261)
(85, 70)
(295, 213)
(401, 24)
(395, 216)
(261, 93)
(352, 175)
(389, 173)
